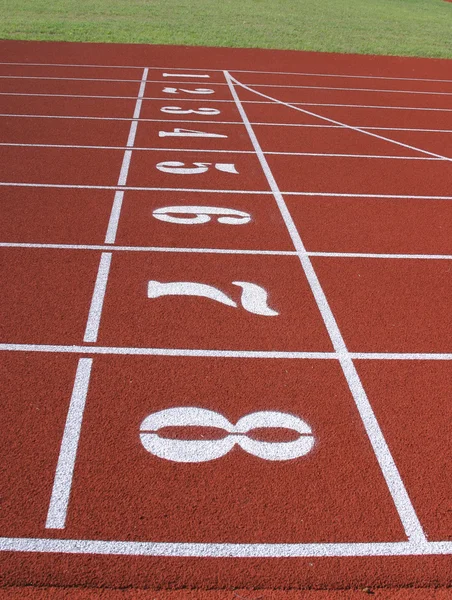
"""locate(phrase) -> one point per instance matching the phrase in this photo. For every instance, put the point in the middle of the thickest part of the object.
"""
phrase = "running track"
(306, 283)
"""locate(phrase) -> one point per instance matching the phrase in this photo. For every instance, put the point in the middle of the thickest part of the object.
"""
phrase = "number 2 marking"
(177, 132)
(173, 90)
(196, 451)
(201, 214)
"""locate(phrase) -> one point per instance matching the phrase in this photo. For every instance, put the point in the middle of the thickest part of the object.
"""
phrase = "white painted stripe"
(176, 249)
(224, 550)
(59, 501)
(215, 150)
(213, 191)
(208, 353)
(156, 68)
(350, 89)
(147, 249)
(115, 214)
(407, 514)
(345, 125)
(97, 302)
(188, 352)
(216, 101)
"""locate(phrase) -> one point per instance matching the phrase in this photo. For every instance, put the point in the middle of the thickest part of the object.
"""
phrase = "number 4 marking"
(190, 133)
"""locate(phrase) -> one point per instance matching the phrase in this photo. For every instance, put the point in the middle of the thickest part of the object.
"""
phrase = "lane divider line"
(122, 180)
(62, 484)
(189, 352)
(125, 67)
(402, 501)
(97, 301)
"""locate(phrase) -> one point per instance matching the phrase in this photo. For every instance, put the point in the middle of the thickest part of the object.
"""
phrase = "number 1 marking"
(185, 75)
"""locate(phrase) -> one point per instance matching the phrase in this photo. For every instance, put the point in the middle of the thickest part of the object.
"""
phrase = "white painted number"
(186, 75)
(201, 214)
(253, 299)
(177, 132)
(196, 451)
(177, 110)
(173, 90)
(179, 168)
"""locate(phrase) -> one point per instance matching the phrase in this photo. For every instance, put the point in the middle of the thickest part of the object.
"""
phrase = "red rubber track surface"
(336, 172)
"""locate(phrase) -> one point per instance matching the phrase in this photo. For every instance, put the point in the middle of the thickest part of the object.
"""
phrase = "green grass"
(398, 27)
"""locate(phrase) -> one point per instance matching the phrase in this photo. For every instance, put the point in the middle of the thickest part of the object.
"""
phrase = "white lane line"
(99, 79)
(214, 150)
(191, 352)
(223, 550)
(350, 89)
(303, 74)
(188, 352)
(213, 191)
(175, 249)
(147, 249)
(62, 484)
(97, 301)
(405, 509)
(216, 101)
(345, 125)
(115, 214)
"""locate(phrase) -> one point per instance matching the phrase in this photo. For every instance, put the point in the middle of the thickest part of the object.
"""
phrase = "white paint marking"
(59, 501)
(113, 222)
(95, 311)
(155, 68)
(215, 150)
(409, 519)
(189, 352)
(225, 550)
(214, 191)
(357, 129)
(350, 89)
(186, 75)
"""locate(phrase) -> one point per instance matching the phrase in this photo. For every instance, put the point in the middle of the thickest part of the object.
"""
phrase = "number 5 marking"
(179, 168)
(196, 451)
(229, 216)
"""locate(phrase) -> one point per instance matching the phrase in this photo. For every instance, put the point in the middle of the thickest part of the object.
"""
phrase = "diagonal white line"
(407, 514)
(358, 129)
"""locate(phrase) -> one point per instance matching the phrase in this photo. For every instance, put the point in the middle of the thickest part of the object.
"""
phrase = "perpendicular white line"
(345, 125)
(175, 249)
(62, 484)
(223, 550)
(404, 507)
(157, 68)
(220, 151)
(97, 301)
(115, 213)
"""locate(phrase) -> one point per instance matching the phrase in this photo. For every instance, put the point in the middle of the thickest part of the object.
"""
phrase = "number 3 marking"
(177, 110)
(201, 214)
(196, 451)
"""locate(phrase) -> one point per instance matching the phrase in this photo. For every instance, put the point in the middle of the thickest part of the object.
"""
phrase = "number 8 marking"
(195, 451)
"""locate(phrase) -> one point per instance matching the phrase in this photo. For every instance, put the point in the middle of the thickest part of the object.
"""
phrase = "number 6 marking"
(201, 214)
(196, 451)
